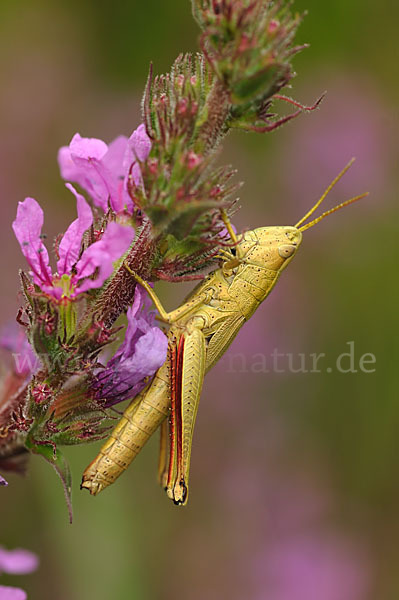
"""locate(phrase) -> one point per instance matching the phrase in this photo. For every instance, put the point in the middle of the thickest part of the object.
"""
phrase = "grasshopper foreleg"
(174, 315)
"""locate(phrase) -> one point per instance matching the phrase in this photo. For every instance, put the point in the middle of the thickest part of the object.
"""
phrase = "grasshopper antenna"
(332, 210)
(327, 191)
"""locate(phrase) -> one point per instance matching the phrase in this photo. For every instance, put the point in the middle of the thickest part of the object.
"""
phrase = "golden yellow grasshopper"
(200, 332)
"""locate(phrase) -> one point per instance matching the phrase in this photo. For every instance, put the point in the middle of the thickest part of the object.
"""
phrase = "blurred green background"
(295, 479)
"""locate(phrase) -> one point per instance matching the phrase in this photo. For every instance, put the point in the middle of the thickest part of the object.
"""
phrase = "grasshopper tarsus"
(180, 493)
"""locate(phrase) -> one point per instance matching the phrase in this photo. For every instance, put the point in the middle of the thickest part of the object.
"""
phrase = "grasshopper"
(200, 332)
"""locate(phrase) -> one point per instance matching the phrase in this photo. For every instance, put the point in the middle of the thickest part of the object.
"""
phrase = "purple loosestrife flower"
(141, 353)
(13, 339)
(104, 171)
(16, 562)
(99, 257)
(12, 593)
(18, 365)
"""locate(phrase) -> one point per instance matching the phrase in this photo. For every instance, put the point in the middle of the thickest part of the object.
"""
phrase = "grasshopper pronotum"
(200, 332)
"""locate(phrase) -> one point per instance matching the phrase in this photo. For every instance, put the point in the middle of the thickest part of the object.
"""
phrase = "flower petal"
(68, 168)
(136, 174)
(83, 174)
(140, 143)
(93, 180)
(70, 244)
(12, 593)
(100, 169)
(81, 163)
(125, 378)
(18, 561)
(113, 159)
(126, 349)
(87, 148)
(27, 228)
(103, 170)
(141, 353)
(114, 173)
(102, 254)
(138, 149)
(13, 338)
(150, 352)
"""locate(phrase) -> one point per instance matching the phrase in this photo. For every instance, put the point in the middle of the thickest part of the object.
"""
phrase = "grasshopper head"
(270, 247)
(274, 247)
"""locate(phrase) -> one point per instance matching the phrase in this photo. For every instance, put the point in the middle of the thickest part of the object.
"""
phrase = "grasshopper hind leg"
(163, 455)
(187, 376)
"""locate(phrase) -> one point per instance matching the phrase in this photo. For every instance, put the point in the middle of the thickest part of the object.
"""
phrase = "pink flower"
(28, 228)
(102, 170)
(16, 562)
(138, 149)
(71, 270)
(101, 255)
(13, 339)
(141, 353)
(12, 593)
(69, 247)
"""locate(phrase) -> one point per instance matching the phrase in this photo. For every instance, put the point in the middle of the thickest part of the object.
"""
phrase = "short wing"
(222, 338)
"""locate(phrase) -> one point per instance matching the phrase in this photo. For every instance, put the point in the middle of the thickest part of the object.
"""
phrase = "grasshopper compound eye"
(286, 250)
